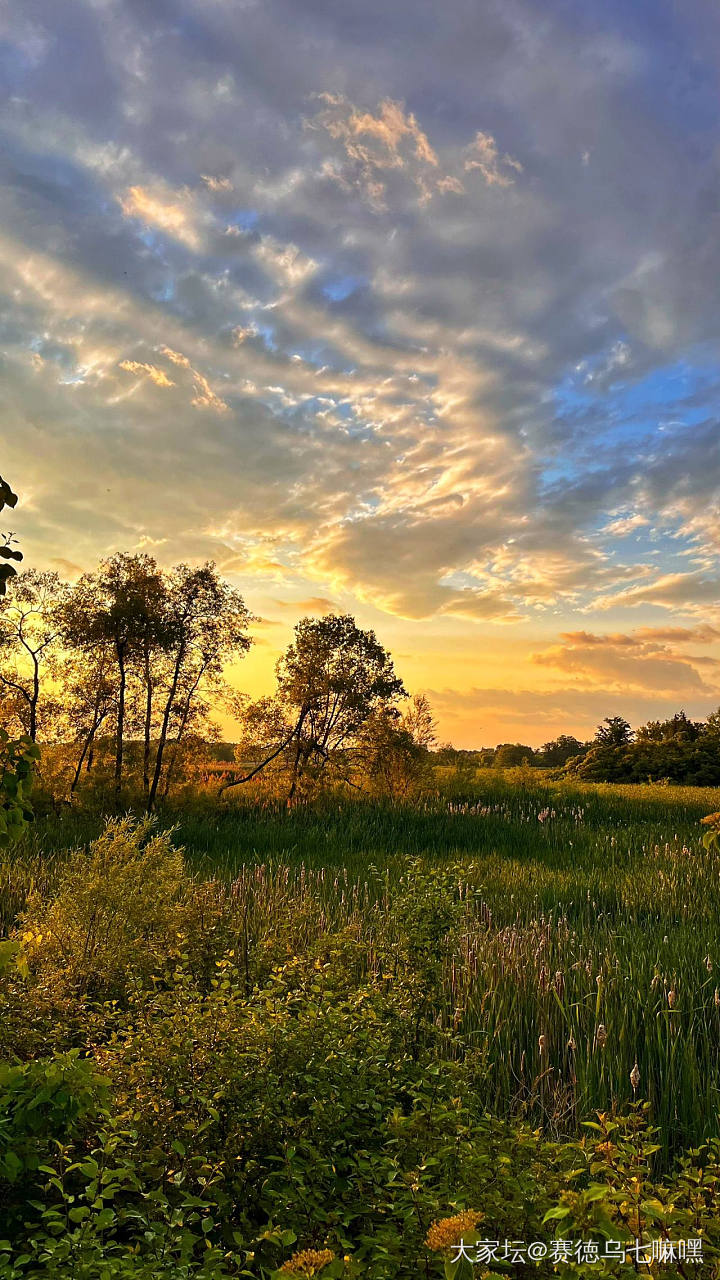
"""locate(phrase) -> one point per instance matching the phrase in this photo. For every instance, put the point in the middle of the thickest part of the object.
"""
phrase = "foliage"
(393, 754)
(29, 634)
(144, 655)
(316, 1113)
(331, 680)
(7, 551)
(114, 910)
(294, 1066)
(17, 757)
(17, 760)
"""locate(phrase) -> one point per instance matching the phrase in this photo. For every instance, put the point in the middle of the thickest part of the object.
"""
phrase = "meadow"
(530, 952)
(591, 907)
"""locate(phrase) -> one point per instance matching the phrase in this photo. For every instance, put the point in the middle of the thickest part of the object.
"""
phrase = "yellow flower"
(447, 1232)
(307, 1262)
(712, 820)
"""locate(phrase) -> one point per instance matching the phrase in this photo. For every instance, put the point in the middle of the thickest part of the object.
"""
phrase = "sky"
(406, 310)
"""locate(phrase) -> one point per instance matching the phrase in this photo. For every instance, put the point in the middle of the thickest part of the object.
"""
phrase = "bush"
(115, 913)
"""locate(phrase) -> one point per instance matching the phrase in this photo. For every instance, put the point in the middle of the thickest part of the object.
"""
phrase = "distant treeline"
(677, 750)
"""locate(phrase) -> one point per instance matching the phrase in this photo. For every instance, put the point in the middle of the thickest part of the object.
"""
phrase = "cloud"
(332, 317)
(317, 605)
(483, 155)
(640, 662)
(204, 397)
(217, 184)
(686, 593)
(154, 374)
(371, 145)
(170, 213)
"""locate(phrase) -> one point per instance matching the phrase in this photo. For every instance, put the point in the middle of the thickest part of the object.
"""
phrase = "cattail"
(601, 1036)
(635, 1077)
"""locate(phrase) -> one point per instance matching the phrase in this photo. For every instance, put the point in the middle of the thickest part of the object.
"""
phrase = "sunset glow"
(407, 311)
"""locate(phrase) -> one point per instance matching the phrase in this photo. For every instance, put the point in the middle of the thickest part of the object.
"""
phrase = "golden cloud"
(168, 211)
(154, 374)
(483, 155)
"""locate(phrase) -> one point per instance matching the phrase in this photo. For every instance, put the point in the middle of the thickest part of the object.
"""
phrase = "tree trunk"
(120, 718)
(148, 721)
(181, 730)
(164, 727)
(35, 698)
(87, 745)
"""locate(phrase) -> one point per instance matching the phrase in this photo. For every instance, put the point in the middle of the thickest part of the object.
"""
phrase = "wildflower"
(571, 1044)
(712, 820)
(446, 1232)
(307, 1262)
(672, 997)
(717, 998)
(635, 1077)
(601, 1036)
(708, 964)
(542, 1044)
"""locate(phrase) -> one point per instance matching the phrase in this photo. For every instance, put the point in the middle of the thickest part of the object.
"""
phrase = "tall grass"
(589, 937)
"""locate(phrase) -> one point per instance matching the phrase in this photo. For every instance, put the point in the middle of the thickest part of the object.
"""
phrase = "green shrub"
(115, 912)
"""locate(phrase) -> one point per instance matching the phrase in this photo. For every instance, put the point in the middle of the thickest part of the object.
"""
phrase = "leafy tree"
(711, 728)
(418, 720)
(561, 749)
(394, 750)
(331, 679)
(145, 652)
(205, 627)
(677, 727)
(30, 624)
(614, 731)
(111, 609)
(510, 754)
(88, 701)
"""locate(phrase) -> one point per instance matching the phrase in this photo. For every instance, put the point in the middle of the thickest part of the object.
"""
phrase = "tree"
(30, 624)
(394, 750)
(88, 700)
(678, 727)
(418, 720)
(205, 627)
(614, 731)
(331, 679)
(510, 754)
(117, 608)
(561, 749)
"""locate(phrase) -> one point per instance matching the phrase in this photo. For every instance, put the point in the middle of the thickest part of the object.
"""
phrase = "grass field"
(588, 941)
